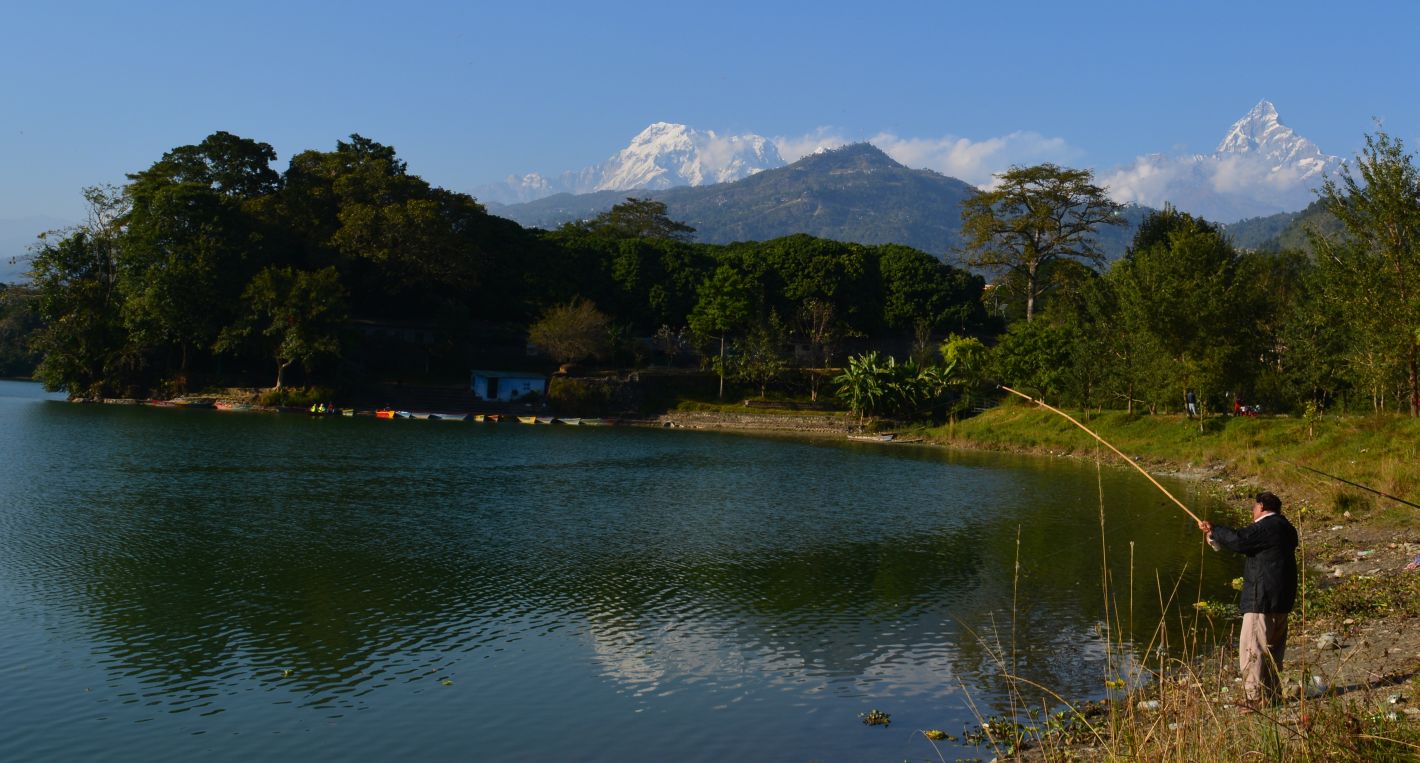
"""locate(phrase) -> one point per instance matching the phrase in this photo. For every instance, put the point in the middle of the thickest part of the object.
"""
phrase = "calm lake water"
(196, 584)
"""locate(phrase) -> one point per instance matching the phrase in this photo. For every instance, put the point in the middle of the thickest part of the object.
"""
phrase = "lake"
(199, 584)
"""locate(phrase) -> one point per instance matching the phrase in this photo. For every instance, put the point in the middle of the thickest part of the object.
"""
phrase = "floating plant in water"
(876, 718)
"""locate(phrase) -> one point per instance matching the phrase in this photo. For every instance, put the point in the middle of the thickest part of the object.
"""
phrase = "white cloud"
(1223, 187)
(975, 161)
(792, 149)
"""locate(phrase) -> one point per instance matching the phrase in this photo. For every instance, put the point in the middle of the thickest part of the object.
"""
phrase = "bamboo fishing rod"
(1104, 442)
(1349, 482)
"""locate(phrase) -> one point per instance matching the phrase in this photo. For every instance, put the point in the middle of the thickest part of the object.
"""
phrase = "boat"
(527, 419)
(422, 416)
(161, 403)
(546, 420)
(872, 437)
(570, 422)
(592, 422)
(347, 411)
(451, 417)
(384, 413)
(225, 406)
(193, 403)
(479, 418)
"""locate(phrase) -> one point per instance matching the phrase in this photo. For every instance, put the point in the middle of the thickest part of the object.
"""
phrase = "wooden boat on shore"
(872, 437)
(225, 406)
(546, 420)
(573, 422)
(527, 419)
(384, 413)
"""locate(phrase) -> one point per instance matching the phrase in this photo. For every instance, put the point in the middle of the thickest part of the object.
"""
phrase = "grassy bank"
(1381, 451)
(1352, 674)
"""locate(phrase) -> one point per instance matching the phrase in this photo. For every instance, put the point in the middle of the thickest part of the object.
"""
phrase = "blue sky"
(471, 92)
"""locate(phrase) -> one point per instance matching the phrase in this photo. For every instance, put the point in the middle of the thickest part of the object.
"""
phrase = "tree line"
(210, 266)
(1335, 328)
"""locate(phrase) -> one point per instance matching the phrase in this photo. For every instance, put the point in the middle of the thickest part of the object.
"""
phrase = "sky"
(470, 92)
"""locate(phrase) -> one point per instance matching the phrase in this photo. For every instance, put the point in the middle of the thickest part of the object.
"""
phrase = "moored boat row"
(381, 413)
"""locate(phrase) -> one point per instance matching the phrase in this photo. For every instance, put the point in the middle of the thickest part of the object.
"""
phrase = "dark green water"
(195, 584)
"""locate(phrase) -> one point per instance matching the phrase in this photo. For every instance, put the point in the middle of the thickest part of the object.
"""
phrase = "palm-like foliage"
(878, 386)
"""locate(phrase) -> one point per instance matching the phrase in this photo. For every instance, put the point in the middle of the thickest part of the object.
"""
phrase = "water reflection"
(209, 564)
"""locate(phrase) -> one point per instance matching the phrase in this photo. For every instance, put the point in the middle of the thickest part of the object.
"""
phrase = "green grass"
(1382, 452)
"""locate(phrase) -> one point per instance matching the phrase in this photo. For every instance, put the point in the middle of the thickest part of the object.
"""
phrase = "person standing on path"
(1268, 593)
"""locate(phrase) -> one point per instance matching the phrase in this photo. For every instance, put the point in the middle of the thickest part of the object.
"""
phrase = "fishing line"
(1105, 442)
(1349, 482)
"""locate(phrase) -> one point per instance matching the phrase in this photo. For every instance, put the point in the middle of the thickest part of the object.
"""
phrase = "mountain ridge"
(855, 193)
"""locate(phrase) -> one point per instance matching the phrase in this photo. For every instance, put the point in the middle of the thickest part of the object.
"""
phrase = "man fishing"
(1268, 593)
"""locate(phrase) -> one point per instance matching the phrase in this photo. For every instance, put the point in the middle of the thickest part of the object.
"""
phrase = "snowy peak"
(664, 155)
(1262, 134)
(1259, 168)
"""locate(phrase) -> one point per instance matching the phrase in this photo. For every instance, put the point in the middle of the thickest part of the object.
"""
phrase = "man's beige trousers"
(1261, 647)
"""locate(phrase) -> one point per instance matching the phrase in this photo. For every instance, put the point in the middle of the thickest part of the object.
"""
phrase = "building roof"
(510, 374)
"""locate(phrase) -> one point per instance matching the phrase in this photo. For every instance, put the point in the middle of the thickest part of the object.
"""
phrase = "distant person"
(1237, 406)
(1191, 401)
(1268, 593)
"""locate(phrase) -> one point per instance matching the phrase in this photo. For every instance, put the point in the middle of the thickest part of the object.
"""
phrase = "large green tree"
(191, 240)
(1035, 216)
(638, 218)
(574, 331)
(1376, 263)
(1185, 288)
(292, 315)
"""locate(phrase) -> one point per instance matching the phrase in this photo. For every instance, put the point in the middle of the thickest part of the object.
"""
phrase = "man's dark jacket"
(1270, 572)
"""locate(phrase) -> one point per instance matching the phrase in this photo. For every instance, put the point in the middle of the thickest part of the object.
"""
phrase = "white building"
(506, 386)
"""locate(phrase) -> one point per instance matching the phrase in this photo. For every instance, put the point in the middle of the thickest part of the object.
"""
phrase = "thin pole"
(1349, 482)
(1104, 442)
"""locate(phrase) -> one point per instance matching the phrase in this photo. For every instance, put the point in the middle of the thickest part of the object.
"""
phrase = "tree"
(761, 355)
(571, 332)
(723, 308)
(19, 322)
(1377, 264)
(862, 384)
(969, 360)
(1185, 287)
(75, 277)
(818, 325)
(191, 240)
(918, 287)
(1036, 216)
(293, 314)
(638, 218)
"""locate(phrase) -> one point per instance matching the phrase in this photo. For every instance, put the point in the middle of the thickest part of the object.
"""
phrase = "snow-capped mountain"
(663, 155)
(1261, 167)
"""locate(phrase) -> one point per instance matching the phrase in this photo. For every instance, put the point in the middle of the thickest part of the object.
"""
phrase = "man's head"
(1266, 503)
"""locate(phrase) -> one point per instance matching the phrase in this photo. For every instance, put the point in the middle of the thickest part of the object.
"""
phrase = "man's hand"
(1205, 526)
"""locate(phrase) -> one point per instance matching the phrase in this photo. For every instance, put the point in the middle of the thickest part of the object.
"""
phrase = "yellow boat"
(527, 419)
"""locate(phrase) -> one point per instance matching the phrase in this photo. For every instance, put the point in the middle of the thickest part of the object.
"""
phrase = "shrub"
(299, 397)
